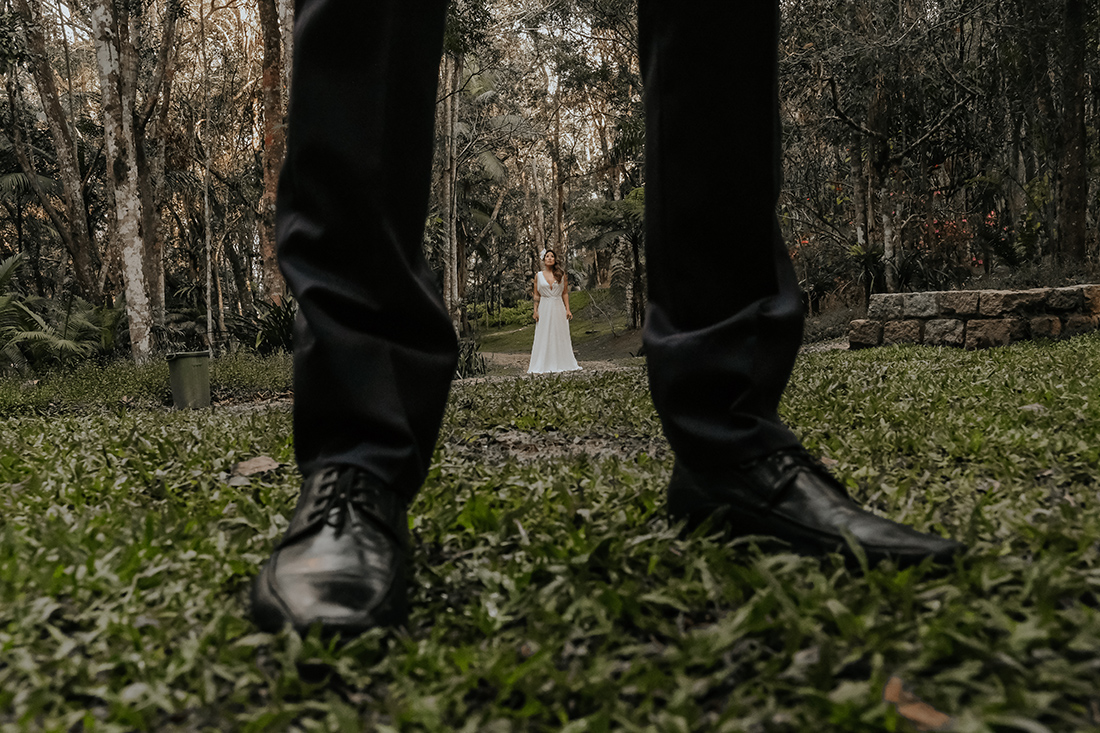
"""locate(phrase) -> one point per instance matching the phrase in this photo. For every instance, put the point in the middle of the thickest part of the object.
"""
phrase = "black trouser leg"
(374, 349)
(725, 318)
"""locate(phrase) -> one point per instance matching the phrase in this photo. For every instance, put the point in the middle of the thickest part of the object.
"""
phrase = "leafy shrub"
(276, 326)
(39, 332)
(829, 324)
(249, 372)
(269, 332)
(471, 363)
(520, 314)
(122, 382)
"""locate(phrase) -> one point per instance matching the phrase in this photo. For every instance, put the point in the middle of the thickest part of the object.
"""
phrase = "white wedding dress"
(553, 349)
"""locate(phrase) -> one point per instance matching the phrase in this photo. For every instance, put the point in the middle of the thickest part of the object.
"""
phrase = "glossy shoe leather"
(342, 562)
(790, 496)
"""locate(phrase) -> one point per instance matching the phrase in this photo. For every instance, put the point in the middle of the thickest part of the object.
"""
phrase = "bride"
(552, 350)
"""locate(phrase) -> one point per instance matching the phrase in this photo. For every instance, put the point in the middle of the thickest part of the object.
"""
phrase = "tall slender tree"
(274, 147)
(117, 60)
(73, 223)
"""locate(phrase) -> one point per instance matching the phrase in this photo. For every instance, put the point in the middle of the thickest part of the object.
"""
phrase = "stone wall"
(976, 319)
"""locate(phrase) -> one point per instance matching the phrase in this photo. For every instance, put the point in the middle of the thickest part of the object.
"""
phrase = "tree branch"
(931, 130)
(164, 58)
(492, 218)
(27, 166)
(843, 117)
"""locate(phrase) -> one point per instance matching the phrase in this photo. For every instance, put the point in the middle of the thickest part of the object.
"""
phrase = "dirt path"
(515, 363)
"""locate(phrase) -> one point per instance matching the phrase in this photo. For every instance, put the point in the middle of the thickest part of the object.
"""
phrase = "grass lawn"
(550, 593)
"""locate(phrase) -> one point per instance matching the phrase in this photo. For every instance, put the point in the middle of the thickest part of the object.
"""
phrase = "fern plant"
(43, 332)
(10, 355)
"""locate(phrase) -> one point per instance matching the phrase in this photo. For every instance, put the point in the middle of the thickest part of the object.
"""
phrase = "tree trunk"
(274, 145)
(1073, 191)
(76, 235)
(150, 133)
(537, 215)
(559, 187)
(208, 234)
(452, 72)
(240, 279)
(891, 238)
(286, 29)
(859, 190)
(637, 294)
(218, 285)
(1043, 127)
(110, 29)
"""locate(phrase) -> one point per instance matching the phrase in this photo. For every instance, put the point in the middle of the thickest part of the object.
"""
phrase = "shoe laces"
(337, 492)
(797, 461)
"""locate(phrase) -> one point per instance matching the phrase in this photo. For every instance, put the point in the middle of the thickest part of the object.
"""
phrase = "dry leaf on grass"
(252, 466)
(913, 709)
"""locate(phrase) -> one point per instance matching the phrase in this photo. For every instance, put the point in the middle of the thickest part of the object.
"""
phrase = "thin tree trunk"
(75, 233)
(240, 279)
(274, 145)
(1043, 127)
(859, 190)
(111, 33)
(637, 295)
(150, 134)
(208, 235)
(452, 71)
(218, 287)
(1073, 192)
(559, 188)
(540, 223)
(23, 157)
(891, 239)
(286, 28)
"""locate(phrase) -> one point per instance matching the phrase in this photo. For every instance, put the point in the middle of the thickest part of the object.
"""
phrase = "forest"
(928, 144)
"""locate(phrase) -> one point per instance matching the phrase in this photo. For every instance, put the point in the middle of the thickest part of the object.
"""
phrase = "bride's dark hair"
(557, 269)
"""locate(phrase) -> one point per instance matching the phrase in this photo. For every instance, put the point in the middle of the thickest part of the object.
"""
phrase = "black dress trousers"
(374, 349)
(724, 321)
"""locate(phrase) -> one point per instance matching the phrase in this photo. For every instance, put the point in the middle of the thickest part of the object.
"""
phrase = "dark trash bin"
(189, 375)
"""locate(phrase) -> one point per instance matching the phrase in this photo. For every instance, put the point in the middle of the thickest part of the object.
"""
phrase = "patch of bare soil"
(515, 365)
(529, 445)
(609, 354)
(830, 345)
(608, 345)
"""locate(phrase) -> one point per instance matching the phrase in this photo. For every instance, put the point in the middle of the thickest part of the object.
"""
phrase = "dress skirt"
(553, 349)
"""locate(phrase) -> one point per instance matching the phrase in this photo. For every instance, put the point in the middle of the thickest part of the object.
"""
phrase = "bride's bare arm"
(565, 297)
(537, 297)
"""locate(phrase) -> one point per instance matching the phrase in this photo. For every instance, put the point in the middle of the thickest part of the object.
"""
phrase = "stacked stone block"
(976, 319)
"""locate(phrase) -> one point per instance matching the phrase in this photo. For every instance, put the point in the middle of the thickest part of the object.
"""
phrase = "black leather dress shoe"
(791, 496)
(342, 561)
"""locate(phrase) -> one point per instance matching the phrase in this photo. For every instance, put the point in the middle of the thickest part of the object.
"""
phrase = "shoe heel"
(686, 503)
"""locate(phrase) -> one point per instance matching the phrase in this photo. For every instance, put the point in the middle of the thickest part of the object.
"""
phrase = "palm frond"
(611, 238)
(12, 358)
(492, 166)
(42, 325)
(486, 97)
(512, 125)
(17, 184)
(47, 344)
(8, 268)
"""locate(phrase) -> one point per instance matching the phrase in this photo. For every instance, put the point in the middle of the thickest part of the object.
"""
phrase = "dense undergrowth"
(233, 377)
(550, 593)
